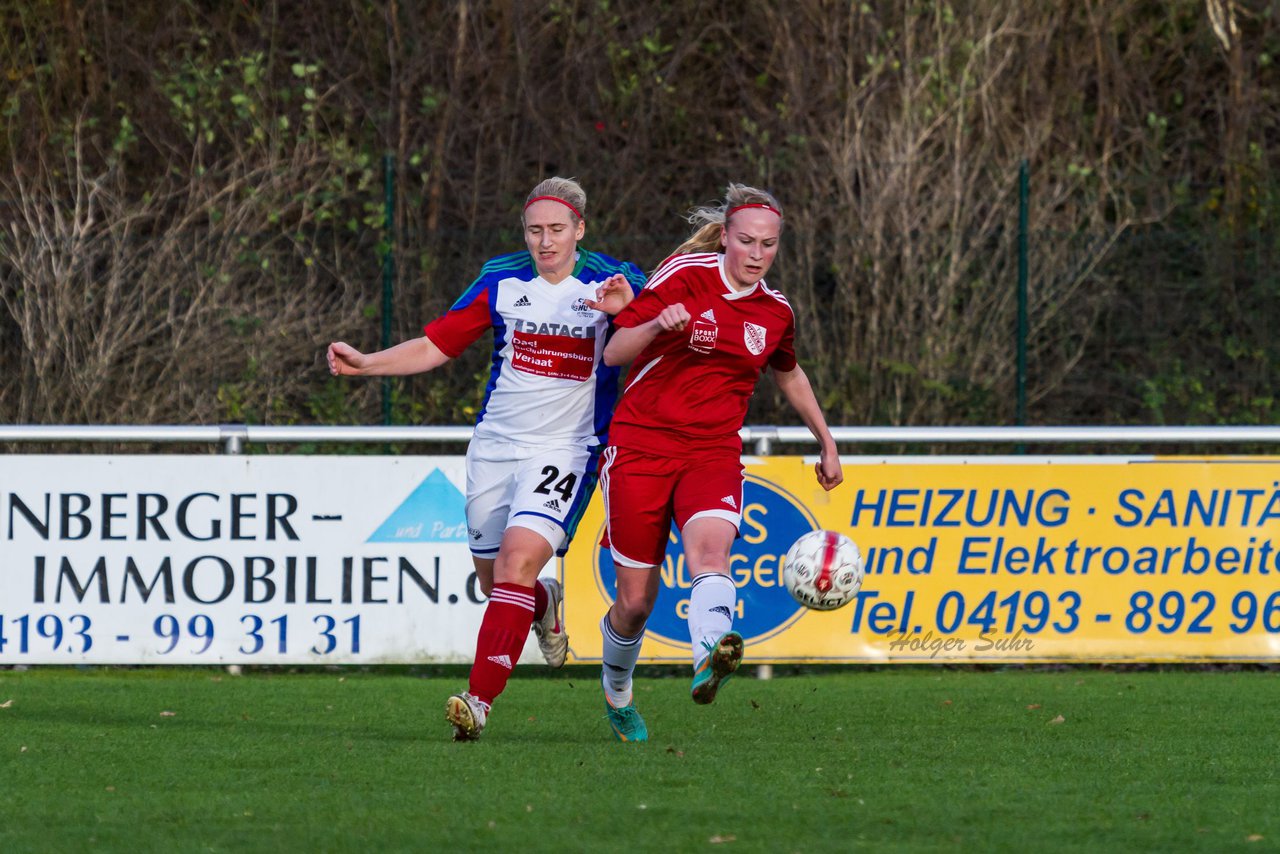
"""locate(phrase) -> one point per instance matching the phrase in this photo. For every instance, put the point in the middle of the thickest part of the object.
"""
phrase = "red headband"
(733, 211)
(554, 199)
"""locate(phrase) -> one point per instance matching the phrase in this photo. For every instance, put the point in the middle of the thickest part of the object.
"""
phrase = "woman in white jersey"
(700, 334)
(531, 464)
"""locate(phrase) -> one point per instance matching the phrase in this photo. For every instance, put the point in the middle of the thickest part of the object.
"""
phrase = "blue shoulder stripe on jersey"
(501, 266)
(605, 267)
(509, 261)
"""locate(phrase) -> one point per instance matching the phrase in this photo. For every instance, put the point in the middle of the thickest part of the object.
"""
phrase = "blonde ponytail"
(709, 220)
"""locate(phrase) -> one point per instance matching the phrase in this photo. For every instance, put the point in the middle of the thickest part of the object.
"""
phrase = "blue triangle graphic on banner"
(435, 512)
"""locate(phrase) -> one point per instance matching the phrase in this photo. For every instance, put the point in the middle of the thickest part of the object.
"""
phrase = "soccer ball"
(822, 570)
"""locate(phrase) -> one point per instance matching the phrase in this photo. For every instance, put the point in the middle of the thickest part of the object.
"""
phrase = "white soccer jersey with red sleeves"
(689, 390)
(548, 383)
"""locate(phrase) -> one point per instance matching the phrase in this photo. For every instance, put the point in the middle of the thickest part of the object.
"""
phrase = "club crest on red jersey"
(754, 337)
(702, 338)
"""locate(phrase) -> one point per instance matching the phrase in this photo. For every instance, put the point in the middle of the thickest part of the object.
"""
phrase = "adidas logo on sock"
(708, 315)
(523, 302)
(721, 609)
(553, 504)
(728, 499)
(501, 660)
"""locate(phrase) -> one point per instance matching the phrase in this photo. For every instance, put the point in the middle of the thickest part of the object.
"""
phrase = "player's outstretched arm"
(414, 356)
(795, 387)
(627, 342)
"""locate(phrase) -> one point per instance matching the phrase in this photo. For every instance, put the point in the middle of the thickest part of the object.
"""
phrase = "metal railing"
(761, 439)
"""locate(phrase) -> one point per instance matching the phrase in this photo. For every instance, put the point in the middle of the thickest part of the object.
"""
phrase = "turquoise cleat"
(626, 723)
(717, 667)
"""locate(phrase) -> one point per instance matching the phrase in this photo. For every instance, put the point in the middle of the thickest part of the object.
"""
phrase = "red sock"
(540, 601)
(503, 633)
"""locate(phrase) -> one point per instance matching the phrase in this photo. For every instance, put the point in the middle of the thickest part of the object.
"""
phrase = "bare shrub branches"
(192, 203)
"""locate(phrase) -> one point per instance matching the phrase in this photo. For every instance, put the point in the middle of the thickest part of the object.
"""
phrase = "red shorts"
(643, 494)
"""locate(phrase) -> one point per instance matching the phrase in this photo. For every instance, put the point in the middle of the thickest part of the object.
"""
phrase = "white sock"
(619, 663)
(711, 605)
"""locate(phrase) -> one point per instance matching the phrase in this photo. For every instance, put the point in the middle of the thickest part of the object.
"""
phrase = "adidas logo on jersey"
(708, 315)
(728, 499)
(523, 302)
(501, 660)
(553, 504)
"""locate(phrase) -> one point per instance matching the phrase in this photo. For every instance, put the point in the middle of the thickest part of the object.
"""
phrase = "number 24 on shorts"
(552, 482)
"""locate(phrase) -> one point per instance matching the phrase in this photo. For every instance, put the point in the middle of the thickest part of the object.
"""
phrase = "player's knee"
(708, 560)
(630, 613)
(518, 567)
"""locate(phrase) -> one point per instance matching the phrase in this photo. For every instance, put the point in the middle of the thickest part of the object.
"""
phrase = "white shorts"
(542, 488)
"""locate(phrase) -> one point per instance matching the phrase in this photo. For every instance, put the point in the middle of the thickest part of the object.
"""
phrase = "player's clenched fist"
(673, 318)
(344, 360)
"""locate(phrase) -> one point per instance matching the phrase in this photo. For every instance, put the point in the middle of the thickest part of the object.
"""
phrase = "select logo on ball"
(772, 519)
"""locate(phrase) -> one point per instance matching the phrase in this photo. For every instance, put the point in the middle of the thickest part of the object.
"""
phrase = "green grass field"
(906, 759)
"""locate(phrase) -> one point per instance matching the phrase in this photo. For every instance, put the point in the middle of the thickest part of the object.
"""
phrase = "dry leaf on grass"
(1059, 719)
(1034, 706)
(1254, 837)
(168, 714)
(6, 704)
(728, 837)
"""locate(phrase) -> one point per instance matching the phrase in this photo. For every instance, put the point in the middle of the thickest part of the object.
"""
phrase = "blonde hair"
(567, 190)
(709, 220)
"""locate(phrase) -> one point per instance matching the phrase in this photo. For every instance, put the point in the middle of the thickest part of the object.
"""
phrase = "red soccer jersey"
(689, 390)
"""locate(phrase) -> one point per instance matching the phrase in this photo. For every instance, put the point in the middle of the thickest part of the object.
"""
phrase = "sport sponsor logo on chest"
(702, 335)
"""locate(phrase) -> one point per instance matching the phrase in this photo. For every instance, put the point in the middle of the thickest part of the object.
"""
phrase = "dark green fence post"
(1023, 193)
(388, 270)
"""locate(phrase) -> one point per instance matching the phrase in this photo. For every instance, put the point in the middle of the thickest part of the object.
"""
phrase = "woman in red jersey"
(700, 334)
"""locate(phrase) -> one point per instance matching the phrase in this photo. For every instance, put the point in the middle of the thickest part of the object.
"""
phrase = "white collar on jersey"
(730, 291)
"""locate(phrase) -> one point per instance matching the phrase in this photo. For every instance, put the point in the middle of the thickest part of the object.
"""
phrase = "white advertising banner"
(244, 560)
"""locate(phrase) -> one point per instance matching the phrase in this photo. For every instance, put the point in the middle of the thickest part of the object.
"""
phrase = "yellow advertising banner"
(987, 559)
